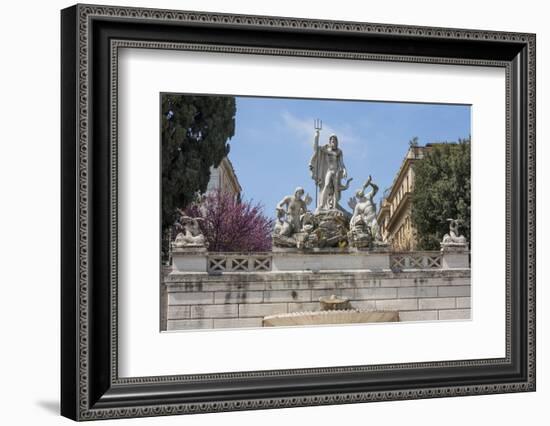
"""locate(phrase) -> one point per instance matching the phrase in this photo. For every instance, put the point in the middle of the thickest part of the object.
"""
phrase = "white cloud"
(304, 130)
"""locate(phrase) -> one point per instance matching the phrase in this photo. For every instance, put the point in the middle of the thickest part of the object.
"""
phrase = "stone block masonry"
(235, 300)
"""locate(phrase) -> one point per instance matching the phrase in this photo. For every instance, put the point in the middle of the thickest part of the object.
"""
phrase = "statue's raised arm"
(318, 125)
(316, 141)
(370, 195)
(314, 162)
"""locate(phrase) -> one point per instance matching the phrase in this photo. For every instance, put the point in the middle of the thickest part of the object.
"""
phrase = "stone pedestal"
(329, 260)
(189, 259)
(455, 256)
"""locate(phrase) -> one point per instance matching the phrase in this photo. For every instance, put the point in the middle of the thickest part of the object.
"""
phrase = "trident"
(317, 125)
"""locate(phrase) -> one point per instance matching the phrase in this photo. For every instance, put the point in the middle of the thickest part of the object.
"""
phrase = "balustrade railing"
(416, 260)
(235, 262)
(263, 262)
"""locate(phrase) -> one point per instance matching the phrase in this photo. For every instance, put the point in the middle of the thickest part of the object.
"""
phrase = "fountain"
(334, 310)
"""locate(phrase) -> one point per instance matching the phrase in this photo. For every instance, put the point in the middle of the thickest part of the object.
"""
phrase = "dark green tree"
(441, 191)
(194, 131)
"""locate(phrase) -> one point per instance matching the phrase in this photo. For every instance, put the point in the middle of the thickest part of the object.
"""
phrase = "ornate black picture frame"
(91, 387)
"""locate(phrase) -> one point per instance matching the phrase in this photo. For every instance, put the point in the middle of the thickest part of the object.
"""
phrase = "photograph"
(275, 207)
(308, 212)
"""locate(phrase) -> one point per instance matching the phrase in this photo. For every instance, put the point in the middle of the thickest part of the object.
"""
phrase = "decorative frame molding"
(91, 37)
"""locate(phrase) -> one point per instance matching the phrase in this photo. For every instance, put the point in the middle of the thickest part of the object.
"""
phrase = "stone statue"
(294, 207)
(330, 225)
(327, 170)
(453, 239)
(294, 221)
(190, 235)
(364, 229)
(282, 226)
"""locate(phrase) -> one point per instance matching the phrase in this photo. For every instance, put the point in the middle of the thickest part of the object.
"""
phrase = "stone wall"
(233, 300)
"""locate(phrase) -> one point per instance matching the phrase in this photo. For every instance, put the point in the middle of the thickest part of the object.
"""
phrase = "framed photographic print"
(263, 212)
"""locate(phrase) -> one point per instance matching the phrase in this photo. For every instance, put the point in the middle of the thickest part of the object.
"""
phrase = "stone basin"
(349, 316)
(334, 303)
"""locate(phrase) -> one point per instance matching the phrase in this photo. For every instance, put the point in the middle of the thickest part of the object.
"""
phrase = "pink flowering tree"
(232, 225)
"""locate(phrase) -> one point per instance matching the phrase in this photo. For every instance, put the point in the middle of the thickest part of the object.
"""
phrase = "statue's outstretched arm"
(283, 203)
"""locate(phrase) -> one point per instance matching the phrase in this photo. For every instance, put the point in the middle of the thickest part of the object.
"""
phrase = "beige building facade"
(224, 177)
(394, 216)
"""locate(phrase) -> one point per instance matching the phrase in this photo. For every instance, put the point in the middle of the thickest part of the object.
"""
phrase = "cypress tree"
(194, 132)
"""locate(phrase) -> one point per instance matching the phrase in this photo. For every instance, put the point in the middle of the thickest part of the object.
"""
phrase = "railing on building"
(262, 262)
(416, 260)
(239, 262)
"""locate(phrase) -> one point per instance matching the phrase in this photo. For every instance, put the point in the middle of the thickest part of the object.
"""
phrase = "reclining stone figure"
(190, 234)
(453, 239)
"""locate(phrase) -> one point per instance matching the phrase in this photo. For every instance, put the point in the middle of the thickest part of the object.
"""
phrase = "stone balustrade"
(416, 260)
(291, 260)
(218, 263)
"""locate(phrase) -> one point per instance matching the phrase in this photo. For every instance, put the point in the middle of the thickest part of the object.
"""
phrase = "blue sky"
(273, 140)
